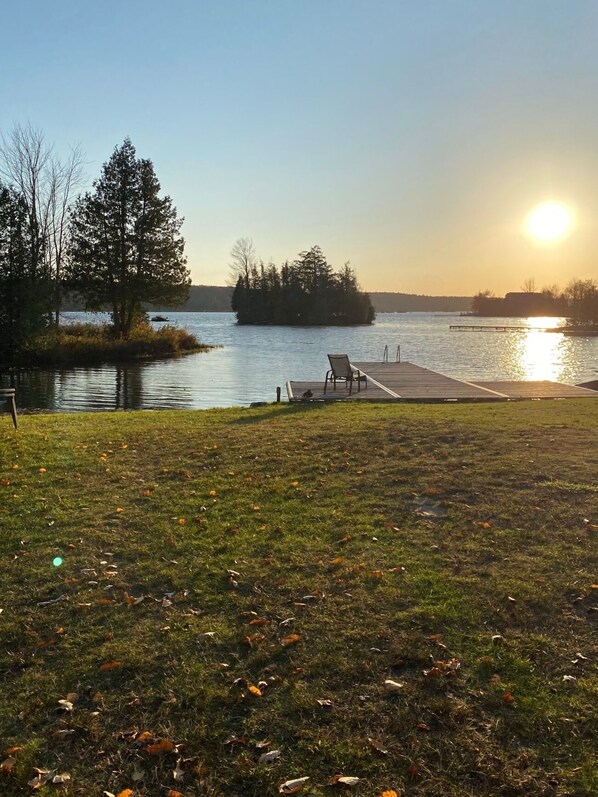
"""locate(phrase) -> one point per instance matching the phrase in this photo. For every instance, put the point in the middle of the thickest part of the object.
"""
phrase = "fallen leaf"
(291, 639)
(174, 793)
(326, 704)
(163, 746)
(111, 665)
(343, 780)
(508, 697)
(389, 793)
(63, 734)
(131, 600)
(64, 777)
(8, 764)
(267, 758)
(42, 777)
(292, 786)
(377, 746)
(144, 737)
(255, 691)
(393, 686)
(54, 600)
(178, 773)
(125, 793)
(13, 750)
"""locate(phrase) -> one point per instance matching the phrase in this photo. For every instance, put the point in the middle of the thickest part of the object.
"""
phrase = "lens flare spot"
(57, 561)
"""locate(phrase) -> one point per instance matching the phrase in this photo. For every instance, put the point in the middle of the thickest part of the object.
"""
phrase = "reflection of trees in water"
(121, 386)
(128, 387)
(34, 388)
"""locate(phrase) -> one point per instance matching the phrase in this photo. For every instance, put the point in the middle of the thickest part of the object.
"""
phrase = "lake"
(252, 361)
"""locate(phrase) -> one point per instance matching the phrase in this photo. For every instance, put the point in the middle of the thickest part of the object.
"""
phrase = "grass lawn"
(402, 594)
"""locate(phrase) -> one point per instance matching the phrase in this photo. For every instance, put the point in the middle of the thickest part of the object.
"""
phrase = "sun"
(549, 222)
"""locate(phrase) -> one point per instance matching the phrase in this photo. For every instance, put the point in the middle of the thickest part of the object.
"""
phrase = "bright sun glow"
(549, 222)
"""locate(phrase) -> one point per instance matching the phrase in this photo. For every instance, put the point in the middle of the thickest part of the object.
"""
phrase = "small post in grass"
(278, 395)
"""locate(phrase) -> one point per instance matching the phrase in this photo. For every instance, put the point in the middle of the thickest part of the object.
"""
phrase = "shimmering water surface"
(252, 361)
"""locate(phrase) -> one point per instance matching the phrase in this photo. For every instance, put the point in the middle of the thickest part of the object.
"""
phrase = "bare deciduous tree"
(48, 186)
(243, 261)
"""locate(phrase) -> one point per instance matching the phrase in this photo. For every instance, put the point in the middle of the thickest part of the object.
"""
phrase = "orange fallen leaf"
(291, 639)
(105, 601)
(126, 793)
(389, 793)
(7, 765)
(484, 524)
(255, 690)
(13, 750)
(213, 492)
(144, 736)
(163, 746)
(508, 697)
(119, 509)
(259, 621)
(111, 665)
(174, 793)
(42, 470)
(181, 521)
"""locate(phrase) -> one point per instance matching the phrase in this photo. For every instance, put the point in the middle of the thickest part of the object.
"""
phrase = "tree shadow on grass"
(278, 411)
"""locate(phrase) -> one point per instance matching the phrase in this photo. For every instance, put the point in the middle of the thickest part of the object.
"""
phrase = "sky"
(409, 138)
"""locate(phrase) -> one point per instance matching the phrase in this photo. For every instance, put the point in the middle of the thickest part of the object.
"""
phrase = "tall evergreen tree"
(24, 293)
(125, 242)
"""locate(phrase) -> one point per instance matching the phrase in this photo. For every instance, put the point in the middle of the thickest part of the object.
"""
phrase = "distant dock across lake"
(405, 381)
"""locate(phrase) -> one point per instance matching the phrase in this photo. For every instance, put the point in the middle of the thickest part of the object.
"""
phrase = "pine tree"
(125, 244)
(24, 293)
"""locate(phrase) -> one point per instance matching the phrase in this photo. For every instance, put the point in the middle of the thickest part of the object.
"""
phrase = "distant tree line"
(578, 302)
(116, 247)
(305, 291)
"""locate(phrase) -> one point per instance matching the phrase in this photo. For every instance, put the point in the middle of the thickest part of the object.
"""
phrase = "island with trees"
(117, 247)
(304, 292)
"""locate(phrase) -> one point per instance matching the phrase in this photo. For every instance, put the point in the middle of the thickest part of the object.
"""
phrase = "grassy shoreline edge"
(247, 580)
(81, 344)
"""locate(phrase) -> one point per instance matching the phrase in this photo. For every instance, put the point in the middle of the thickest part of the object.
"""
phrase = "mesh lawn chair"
(341, 370)
(7, 394)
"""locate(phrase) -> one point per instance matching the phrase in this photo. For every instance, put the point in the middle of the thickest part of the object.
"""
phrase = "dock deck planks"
(409, 382)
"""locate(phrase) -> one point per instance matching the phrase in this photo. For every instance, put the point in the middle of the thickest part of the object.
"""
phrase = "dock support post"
(278, 395)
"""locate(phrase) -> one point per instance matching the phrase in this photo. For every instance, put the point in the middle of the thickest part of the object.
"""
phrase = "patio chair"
(341, 370)
(7, 394)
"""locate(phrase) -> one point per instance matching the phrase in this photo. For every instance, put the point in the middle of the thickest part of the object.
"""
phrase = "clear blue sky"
(411, 138)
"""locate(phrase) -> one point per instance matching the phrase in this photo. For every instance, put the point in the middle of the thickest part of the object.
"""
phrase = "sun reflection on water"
(544, 322)
(541, 355)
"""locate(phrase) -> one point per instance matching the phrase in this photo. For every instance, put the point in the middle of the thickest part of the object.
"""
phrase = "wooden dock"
(409, 382)
(497, 328)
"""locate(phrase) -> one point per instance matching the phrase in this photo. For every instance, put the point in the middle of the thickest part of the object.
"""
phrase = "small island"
(305, 292)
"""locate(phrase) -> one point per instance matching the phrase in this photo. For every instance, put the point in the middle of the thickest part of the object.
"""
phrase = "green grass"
(387, 538)
(83, 344)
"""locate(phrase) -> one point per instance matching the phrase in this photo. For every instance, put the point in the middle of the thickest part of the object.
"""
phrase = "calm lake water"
(252, 361)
